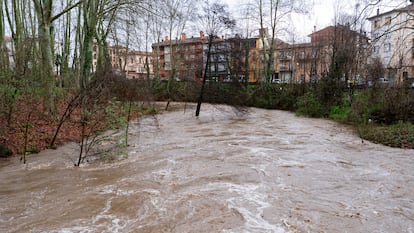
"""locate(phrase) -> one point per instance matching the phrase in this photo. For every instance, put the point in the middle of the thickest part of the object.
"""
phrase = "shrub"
(4, 151)
(309, 105)
(339, 112)
(385, 106)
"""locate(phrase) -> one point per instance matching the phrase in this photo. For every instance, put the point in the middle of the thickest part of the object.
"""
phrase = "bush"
(275, 96)
(384, 106)
(4, 151)
(339, 112)
(309, 105)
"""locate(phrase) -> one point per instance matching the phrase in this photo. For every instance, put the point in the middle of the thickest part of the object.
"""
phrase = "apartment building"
(393, 43)
(240, 53)
(181, 59)
(244, 59)
(134, 64)
(186, 58)
(309, 62)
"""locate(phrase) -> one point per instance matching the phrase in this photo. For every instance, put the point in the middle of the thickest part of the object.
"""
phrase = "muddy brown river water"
(264, 171)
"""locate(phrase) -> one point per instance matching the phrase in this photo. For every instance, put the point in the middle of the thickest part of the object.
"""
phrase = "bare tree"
(271, 14)
(45, 17)
(215, 19)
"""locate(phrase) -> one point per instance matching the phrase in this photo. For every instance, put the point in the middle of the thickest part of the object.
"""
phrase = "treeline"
(46, 71)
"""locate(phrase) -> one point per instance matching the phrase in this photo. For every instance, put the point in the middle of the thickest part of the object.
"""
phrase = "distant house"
(134, 64)
(181, 59)
(186, 58)
(393, 42)
(309, 62)
(243, 59)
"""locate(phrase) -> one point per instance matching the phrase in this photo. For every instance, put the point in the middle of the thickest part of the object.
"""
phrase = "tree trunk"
(4, 54)
(206, 69)
(45, 37)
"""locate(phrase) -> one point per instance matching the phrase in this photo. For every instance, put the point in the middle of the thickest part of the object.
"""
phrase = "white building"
(392, 36)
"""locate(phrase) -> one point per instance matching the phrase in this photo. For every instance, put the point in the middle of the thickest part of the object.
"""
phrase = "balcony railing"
(285, 57)
(285, 68)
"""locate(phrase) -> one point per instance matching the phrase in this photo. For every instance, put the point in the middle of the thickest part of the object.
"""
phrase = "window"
(212, 67)
(387, 20)
(387, 47)
(302, 54)
(376, 49)
(388, 35)
(377, 23)
(376, 35)
(221, 67)
(314, 54)
(302, 78)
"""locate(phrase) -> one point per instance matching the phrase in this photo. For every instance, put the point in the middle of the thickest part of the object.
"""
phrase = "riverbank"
(400, 135)
(31, 126)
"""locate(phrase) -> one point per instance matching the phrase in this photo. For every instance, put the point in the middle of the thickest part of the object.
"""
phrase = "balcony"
(285, 57)
(285, 68)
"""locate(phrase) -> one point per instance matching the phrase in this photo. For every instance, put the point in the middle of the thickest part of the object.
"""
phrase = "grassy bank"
(399, 135)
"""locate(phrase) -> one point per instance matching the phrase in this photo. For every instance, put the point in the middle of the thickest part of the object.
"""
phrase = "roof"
(408, 8)
(331, 29)
(191, 40)
(123, 49)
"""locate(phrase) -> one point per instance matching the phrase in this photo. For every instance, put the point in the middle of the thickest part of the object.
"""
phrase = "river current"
(226, 171)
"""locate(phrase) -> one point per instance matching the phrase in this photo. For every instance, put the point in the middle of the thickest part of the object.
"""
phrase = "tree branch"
(68, 8)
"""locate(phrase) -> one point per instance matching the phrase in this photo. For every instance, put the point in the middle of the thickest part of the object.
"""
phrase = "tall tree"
(271, 14)
(45, 18)
(215, 19)
(2, 37)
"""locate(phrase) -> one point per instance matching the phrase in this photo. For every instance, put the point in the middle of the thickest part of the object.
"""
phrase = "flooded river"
(262, 171)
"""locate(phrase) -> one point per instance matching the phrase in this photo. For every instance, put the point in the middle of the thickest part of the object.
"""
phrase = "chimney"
(378, 11)
(166, 39)
(183, 36)
(202, 35)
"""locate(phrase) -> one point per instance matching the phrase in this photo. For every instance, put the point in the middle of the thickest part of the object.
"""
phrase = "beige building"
(134, 64)
(309, 62)
(393, 42)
